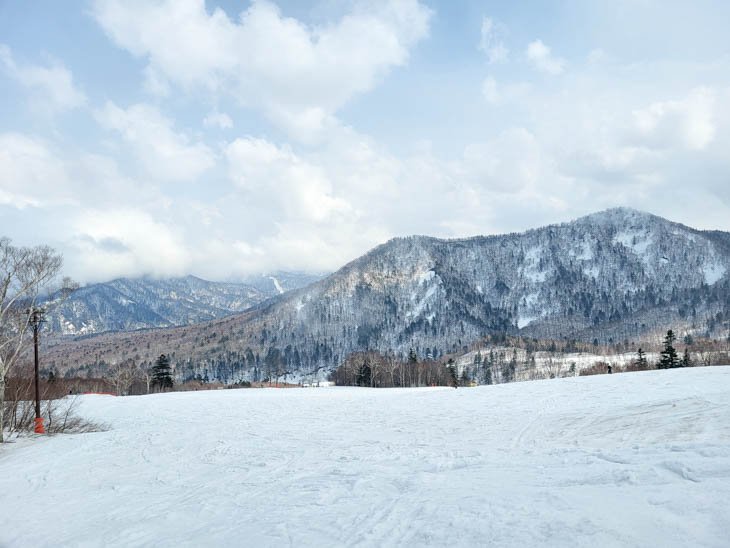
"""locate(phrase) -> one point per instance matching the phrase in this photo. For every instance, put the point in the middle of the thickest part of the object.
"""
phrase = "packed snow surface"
(638, 459)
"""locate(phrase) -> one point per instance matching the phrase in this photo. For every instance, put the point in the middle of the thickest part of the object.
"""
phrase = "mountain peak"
(619, 215)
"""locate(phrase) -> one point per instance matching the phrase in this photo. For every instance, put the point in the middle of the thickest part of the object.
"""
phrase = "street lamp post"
(36, 318)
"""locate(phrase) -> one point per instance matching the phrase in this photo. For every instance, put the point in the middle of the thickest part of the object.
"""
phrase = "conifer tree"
(364, 374)
(669, 358)
(412, 357)
(488, 375)
(413, 367)
(490, 367)
(509, 368)
(452, 373)
(465, 379)
(162, 373)
(641, 359)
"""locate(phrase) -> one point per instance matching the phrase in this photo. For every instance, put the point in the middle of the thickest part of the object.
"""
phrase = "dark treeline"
(498, 358)
(502, 359)
(376, 370)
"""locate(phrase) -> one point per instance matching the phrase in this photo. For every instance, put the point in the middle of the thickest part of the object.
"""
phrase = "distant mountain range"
(612, 276)
(128, 304)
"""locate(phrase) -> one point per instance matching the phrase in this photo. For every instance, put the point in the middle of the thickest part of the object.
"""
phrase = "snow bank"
(640, 459)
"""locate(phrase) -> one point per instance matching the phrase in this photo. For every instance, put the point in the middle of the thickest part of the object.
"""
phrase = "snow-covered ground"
(640, 459)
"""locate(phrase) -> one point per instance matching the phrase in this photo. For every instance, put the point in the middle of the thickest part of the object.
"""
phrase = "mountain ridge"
(616, 275)
(129, 304)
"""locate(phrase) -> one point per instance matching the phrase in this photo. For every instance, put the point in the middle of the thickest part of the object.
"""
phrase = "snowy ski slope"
(640, 459)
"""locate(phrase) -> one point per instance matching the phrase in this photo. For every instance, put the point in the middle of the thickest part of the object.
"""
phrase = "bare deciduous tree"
(554, 366)
(145, 373)
(122, 375)
(24, 271)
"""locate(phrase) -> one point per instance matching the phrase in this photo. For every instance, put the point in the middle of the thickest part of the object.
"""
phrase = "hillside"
(612, 276)
(128, 304)
(639, 459)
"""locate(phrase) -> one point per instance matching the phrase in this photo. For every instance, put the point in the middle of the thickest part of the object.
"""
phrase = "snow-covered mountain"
(610, 276)
(615, 275)
(280, 282)
(128, 304)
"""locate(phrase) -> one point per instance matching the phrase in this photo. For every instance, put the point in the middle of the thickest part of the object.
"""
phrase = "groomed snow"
(640, 459)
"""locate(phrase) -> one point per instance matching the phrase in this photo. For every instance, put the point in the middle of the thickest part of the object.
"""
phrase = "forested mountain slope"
(615, 275)
(128, 304)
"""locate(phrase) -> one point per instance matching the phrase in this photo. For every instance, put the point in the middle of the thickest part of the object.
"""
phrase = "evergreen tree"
(641, 359)
(412, 357)
(413, 370)
(452, 373)
(465, 378)
(490, 367)
(364, 374)
(162, 373)
(509, 368)
(488, 375)
(669, 358)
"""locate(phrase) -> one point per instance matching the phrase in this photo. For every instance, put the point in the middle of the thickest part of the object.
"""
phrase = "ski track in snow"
(640, 459)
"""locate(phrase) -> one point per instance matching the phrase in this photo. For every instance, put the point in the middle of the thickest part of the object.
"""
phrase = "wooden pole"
(36, 319)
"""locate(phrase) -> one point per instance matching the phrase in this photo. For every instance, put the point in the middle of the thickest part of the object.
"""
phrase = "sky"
(225, 139)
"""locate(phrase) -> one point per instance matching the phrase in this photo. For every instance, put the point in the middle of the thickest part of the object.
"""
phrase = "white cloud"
(489, 90)
(35, 172)
(378, 195)
(496, 94)
(99, 180)
(30, 173)
(309, 125)
(154, 83)
(52, 88)
(164, 153)
(217, 119)
(615, 129)
(272, 175)
(491, 42)
(511, 162)
(689, 122)
(540, 56)
(597, 56)
(298, 75)
(125, 242)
